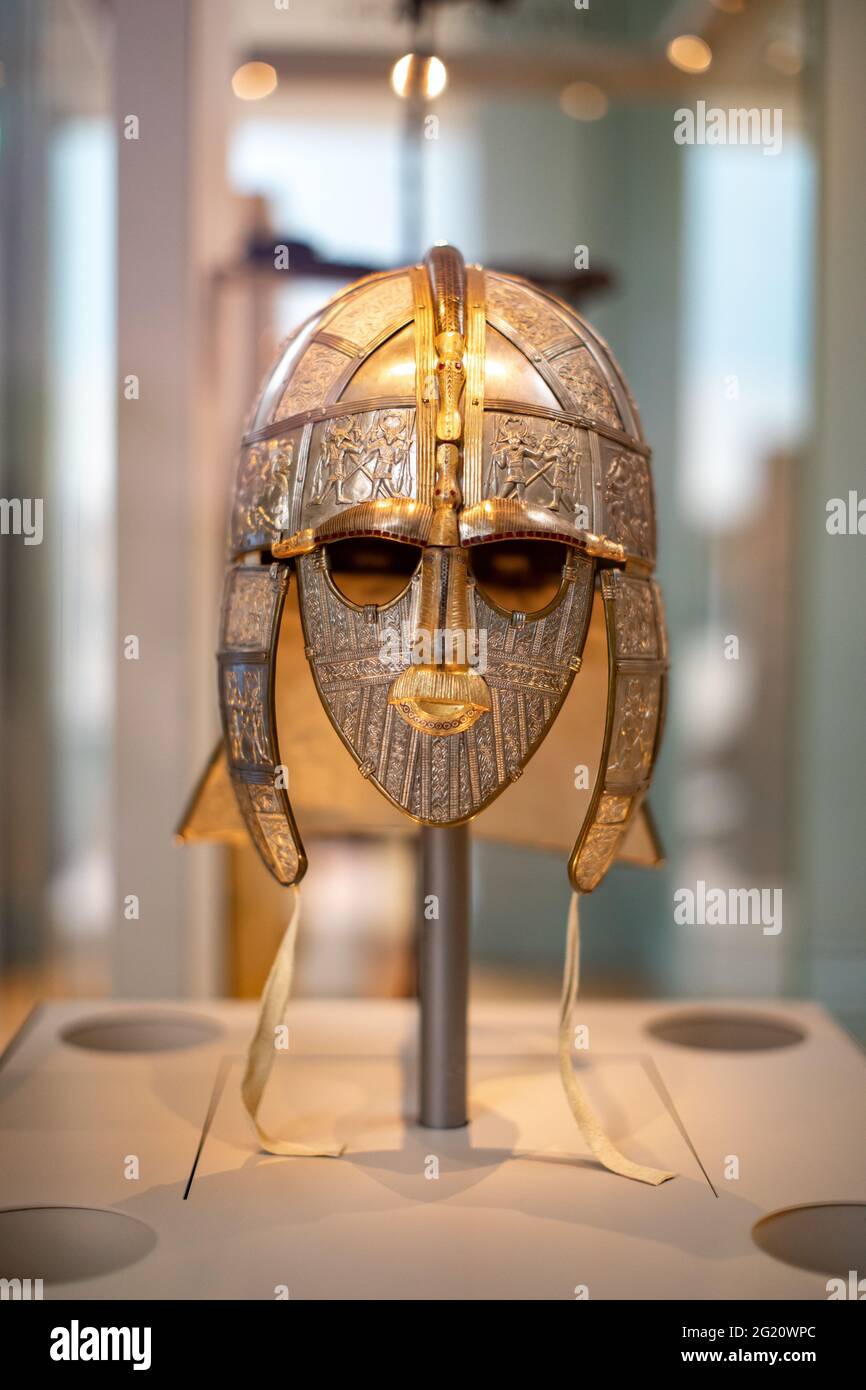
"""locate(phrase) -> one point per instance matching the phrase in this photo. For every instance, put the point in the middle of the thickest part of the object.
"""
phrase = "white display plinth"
(518, 1209)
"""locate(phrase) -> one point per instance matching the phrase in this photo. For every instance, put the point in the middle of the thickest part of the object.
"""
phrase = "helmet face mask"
(442, 715)
(450, 465)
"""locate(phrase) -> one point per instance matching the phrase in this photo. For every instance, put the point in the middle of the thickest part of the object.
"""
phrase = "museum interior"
(186, 182)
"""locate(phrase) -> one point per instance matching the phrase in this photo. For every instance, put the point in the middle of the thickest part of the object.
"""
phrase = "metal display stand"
(443, 954)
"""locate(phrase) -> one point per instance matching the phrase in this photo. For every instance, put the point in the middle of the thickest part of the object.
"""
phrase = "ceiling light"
(689, 53)
(418, 75)
(583, 101)
(252, 81)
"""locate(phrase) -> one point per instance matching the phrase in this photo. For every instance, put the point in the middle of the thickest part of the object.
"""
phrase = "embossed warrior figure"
(511, 454)
(246, 729)
(388, 452)
(559, 465)
(341, 458)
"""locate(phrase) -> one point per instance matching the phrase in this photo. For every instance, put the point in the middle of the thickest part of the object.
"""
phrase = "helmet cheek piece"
(637, 677)
(253, 601)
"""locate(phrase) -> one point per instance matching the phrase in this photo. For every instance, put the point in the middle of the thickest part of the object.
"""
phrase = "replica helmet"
(450, 464)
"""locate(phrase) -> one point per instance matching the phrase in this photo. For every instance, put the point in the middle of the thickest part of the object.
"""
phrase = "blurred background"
(152, 158)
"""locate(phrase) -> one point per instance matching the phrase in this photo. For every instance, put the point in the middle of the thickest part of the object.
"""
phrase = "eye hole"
(523, 575)
(368, 569)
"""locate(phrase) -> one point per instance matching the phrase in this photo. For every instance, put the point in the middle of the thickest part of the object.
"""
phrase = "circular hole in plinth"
(726, 1032)
(140, 1032)
(828, 1237)
(61, 1244)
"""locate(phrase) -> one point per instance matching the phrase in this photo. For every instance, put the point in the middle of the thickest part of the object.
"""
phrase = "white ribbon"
(587, 1121)
(260, 1058)
(275, 1000)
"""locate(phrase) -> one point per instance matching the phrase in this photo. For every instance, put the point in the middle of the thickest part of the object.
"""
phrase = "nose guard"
(440, 694)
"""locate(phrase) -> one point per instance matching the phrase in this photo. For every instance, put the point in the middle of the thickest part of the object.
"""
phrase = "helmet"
(449, 463)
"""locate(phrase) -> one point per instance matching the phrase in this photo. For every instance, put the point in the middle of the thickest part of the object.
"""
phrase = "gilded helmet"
(449, 464)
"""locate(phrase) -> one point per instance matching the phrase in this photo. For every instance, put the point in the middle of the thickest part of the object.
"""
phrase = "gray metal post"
(443, 957)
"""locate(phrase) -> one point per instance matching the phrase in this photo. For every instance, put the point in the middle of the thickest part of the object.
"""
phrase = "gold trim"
(328, 412)
(398, 519)
(504, 518)
(425, 385)
(300, 543)
(344, 345)
(473, 413)
(444, 266)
